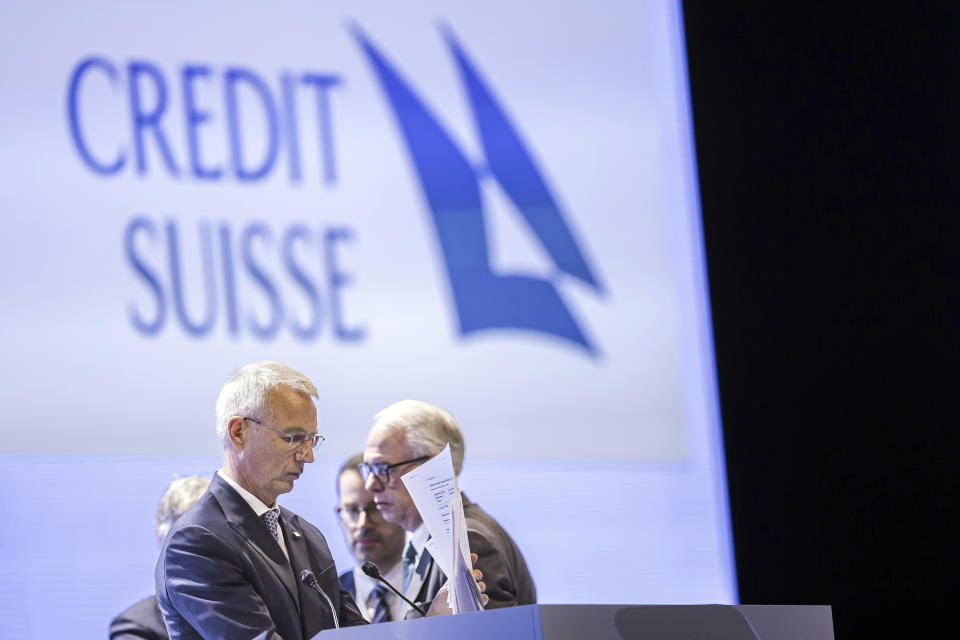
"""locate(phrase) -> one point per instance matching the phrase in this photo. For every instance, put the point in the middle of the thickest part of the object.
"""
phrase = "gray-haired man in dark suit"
(403, 436)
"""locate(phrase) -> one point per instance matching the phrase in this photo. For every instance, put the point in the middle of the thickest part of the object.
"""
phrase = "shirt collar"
(419, 538)
(255, 503)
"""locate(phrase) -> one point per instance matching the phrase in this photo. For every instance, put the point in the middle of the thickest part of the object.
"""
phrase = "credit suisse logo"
(451, 185)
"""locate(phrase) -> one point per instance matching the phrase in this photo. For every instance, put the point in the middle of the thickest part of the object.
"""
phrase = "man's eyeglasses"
(381, 471)
(351, 512)
(298, 440)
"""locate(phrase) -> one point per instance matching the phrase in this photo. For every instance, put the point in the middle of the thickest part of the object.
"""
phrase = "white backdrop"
(488, 206)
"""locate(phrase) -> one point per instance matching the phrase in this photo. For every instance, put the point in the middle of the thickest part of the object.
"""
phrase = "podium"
(613, 622)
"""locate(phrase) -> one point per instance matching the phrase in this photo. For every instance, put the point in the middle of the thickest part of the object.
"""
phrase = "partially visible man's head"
(268, 424)
(245, 394)
(367, 534)
(407, 432)
(181, 493)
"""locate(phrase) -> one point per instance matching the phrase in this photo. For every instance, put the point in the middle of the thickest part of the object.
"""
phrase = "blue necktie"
(381, 611)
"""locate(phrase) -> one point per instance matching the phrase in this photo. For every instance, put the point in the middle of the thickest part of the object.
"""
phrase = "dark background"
(827, 142)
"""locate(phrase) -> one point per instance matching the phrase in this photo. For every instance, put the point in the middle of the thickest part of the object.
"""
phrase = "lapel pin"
(296, 534)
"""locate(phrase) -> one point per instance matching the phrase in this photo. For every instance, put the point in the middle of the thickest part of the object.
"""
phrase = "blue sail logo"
(484, 299)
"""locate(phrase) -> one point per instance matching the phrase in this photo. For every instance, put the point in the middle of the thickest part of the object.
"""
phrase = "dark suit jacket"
(141, 621)
(504, 570)
(222, 575)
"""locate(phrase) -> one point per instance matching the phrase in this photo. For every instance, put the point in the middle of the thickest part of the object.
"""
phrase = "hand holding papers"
(441, 606)
(433, 488)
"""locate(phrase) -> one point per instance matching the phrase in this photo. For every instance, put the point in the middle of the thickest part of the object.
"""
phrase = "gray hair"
(246, 392)
(181, 493)
(426, 427)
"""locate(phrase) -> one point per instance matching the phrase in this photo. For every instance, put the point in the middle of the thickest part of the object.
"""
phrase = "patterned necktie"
(381, 611)
(270, 520)
(409, 557)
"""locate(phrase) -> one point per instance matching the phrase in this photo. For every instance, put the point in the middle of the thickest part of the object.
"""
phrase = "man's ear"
(237, 432)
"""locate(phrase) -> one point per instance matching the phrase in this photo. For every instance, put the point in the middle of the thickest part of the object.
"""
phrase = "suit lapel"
(299, 557)
(241, 517)
(420, 572)
(348, 582)
(313, 608)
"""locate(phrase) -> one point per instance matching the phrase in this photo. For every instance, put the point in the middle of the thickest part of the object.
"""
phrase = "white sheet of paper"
(464, 593)
(433, 489)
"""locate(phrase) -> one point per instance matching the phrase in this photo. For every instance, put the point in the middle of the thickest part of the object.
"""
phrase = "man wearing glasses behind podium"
(369, 538)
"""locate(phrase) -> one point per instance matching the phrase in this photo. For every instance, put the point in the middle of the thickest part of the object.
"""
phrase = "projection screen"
(490, 206)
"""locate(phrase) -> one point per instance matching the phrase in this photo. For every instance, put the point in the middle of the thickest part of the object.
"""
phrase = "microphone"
(307, 578)
(371, 570)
